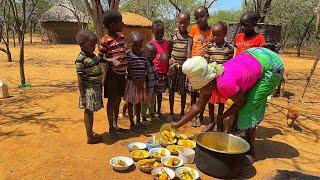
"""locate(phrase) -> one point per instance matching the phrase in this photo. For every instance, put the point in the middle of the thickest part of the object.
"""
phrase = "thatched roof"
(131, 19)
(64, 12)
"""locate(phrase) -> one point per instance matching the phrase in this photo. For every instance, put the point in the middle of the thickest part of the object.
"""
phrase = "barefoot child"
(151, 78)
(161, 62)
(112, 48)
(201, 34)
(218, 51)
(89, 81)
(249, 37)
(181, 44)
(136, 92)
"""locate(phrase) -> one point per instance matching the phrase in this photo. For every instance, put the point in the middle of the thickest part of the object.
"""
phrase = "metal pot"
(220, 155)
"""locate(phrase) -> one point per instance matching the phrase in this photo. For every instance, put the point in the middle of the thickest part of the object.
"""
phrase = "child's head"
(136, 41)
(112, 20)
(87, 41)
(183, 21)
(158, 29)
(201, 15)
(151, 51)
(248, 21)
(219, 31)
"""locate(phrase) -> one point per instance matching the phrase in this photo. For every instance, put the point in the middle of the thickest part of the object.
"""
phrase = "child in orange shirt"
(249, 37)
(201, 34)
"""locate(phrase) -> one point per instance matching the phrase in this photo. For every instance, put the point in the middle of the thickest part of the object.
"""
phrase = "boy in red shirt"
(249, 37)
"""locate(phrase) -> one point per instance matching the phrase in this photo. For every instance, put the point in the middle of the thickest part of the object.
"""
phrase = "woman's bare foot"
(95, 139)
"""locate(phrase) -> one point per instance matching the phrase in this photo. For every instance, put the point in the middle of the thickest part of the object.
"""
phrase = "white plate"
(153, 150)
(165, 159)
(180, 170)
(127, 160)
(169, 171)
(141, 145)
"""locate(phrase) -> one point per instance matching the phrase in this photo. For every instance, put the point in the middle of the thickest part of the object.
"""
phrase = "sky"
(227, 4)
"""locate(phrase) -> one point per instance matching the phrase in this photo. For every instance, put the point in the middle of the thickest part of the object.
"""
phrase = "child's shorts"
(114, 84)
(93, 98)
(162, 84)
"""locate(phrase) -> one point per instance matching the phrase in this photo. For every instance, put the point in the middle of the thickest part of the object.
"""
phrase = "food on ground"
(167, 135)
(120, 163)
(173, 161)
(186, 175)
(148, 163)
(134, 147)
(139, 154)
(187, 143)
(160, 154)
(162, 175)
(174, 149)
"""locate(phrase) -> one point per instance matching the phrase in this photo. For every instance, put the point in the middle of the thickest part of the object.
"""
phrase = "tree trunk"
(304, 35)
(14, 38)
(8, 45)
(31, 31)
(21, 61)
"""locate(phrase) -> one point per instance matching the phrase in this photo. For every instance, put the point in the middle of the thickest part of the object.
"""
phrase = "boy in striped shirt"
(112, 48)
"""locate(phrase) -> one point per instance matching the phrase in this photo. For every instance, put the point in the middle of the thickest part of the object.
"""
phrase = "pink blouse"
(240, 73)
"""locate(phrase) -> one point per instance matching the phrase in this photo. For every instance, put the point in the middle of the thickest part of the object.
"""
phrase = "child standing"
(248, 38)
(161, 62)
(201, 35)
(89, 81)
(136, 92)
(181, 44)
(151, 52)
(218, 51)
(112, 48)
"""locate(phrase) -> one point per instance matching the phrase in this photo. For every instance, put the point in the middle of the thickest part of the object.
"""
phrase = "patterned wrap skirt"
(272, 70)
(93, 98)
(178, 82)
(162, 83)
(133, 94)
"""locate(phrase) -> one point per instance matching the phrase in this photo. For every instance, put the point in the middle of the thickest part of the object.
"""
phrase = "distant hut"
(61, 23)
(135, 22)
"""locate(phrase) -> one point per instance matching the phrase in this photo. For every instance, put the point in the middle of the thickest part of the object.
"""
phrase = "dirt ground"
(42, 134)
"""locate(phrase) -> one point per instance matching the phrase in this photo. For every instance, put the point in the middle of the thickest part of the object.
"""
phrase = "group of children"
(140, 75)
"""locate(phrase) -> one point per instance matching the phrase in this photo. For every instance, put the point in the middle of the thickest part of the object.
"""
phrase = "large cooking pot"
(220, 155)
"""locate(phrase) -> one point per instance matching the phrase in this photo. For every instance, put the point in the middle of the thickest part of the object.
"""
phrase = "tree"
(261, 7)
(95, 10)
(76, 8)
(21, 18)
(4, 28)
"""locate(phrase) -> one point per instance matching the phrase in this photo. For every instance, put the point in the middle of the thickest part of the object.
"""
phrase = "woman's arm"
(194, 110)
(239, 100)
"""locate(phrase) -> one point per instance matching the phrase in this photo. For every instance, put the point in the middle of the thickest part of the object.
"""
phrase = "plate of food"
(174, 149)
(121, 163)
(187, 143)
(138, 155)
(163, 173)
(181, 136)
(166, 143)
(136, 146)
(172, 161)
(167, 133)
(187, 173)
(159, 153)
(146, 165)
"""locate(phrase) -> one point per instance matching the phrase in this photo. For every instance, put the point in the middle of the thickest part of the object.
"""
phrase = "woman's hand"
(175, 125)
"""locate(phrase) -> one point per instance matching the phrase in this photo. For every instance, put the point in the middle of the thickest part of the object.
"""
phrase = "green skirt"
(272, 69)
(93, 98)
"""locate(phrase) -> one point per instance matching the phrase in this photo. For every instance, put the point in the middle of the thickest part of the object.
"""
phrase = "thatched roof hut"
(61, 23)
(135, 22)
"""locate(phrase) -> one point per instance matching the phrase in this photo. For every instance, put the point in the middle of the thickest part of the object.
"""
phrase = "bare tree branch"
(211, 4)
(175, 5)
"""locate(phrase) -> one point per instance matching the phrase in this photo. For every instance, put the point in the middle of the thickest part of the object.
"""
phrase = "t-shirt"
(200, 40)
(241, 72)
(138, 64)
(112, 48)
(243, 43)
(89, 68)
(179, 48)
(161, 62)
(219, 55)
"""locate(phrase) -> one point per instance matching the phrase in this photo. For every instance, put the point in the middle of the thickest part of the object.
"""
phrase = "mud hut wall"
(59, 32)
(145, 31)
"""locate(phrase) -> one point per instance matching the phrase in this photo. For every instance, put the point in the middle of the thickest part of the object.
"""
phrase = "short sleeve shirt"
(243, 43)
(200, 40)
